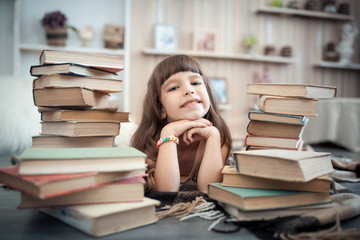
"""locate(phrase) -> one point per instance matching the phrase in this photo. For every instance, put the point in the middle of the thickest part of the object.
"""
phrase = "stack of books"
(284, 110)
(73, 172)
(266, 184)
(72, 93)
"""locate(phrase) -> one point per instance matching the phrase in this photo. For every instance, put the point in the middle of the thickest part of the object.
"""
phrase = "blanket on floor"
(318, 224)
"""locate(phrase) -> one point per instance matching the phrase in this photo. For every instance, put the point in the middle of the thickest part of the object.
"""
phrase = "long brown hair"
(148, 132)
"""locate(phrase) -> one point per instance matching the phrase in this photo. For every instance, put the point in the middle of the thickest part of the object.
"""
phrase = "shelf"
(305, 13)
(231, 56)
(40, 47)
(351, 66)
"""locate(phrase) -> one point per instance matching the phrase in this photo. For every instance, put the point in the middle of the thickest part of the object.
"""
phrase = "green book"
(34, 161)
(251, 199)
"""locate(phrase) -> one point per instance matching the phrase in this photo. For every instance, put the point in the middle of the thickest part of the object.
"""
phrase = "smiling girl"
(181, 129)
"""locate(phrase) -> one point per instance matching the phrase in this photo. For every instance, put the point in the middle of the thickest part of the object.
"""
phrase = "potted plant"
(250, 43)
(55, 24)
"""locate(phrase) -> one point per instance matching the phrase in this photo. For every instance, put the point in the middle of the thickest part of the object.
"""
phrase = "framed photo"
(205, 40)
(219, 86)
(165, 36)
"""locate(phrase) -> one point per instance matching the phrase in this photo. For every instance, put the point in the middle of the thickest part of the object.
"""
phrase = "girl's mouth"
(193, 102)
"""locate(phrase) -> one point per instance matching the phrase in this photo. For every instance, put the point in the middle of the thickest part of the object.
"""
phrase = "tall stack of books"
(72, 92)
(267, 184)
(284, 110)
(73, 172)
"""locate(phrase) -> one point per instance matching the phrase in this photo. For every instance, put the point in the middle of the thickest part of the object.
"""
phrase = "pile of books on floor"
(73, 172)
(282, 114)
(266, 184)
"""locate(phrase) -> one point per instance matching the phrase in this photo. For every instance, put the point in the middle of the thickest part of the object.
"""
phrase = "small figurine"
(286, 51)
(269, 50)
(86, 34)
(330, 53)
(293, 5)
(329, 6)
(345, 49)
(113, 36)
(344, 8)
(311, 5)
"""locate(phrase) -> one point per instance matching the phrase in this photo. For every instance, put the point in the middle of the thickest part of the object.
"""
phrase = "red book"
(125, 190)
(47, 186)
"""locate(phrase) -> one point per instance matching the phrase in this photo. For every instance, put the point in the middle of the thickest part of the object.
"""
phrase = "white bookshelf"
(337, 65)
(219, 55)
(305, 13)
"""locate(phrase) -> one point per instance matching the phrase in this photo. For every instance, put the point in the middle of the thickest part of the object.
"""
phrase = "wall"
(233, 20)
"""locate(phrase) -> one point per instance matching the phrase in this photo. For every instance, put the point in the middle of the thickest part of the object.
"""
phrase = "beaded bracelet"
(167, 139)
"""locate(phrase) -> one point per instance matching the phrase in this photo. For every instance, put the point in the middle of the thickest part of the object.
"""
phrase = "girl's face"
(184, 96)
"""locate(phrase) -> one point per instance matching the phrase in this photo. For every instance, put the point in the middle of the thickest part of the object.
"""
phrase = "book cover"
(51, 115)
(274, 142)
(286, 165)
(124, 190)
(274, 117)
(80, 129)
(272, 214)
(65, 81)
(292, 90)
(275, 129)
(47, 186)
(71, 69)
(104, 219)
(287, 105)
(252, 199)
(232, 178)
(53, 141)
(74, 96)
(111, 63)
(76, 160)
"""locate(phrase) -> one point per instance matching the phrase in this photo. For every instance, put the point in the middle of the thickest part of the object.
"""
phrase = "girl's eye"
(196, 83)
(173, 89)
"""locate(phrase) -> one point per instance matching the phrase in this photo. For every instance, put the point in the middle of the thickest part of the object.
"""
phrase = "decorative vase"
(56, 36)
(346, 55)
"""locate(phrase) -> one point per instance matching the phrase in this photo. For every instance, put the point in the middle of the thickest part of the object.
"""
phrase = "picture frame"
(205, 40)
(219, 87)
(165, 36)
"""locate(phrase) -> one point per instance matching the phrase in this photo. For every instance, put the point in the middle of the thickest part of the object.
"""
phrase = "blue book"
(252, 199)
(275, 117)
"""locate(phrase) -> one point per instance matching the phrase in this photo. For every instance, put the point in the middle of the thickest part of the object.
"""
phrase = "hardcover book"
(53, 141)
(288, 105)
(68, 97)
(274, 142)
(71, 69)
(111, 63)
(46, 186)
(80, 129)
(274, 117)
(125, 190)
(36, 161)
(275, 129)
(52, 115)
(292, 90)
(286, 165)
(65, 81)
(232, 178)
(249, 199)
(104, 219)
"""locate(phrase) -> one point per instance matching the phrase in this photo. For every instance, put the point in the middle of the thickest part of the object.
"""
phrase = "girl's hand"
(198, 134)
(179, 127)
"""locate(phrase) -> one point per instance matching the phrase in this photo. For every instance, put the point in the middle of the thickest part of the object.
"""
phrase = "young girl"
(181, 130)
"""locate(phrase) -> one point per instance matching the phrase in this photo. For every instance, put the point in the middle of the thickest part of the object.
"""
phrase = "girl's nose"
(189, 92)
